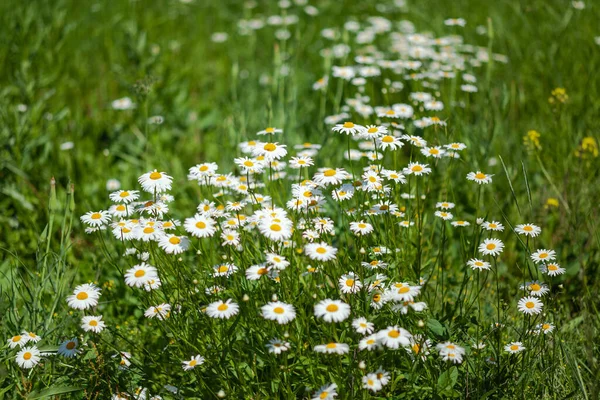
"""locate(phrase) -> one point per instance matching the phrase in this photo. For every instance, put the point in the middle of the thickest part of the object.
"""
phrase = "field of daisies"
(299, 199)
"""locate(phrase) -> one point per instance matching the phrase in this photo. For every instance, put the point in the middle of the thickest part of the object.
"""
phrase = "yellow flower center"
(546, 327)
(321, 250)
(528, 228)
(349, 282)
(534, 287)
(543, 255)
(372, 130)
(323, 395)
(139, 273)
(192, 363)
(223, 268)
(203, 168)
(275, 227)
(27, 356)
(479, 175)
(329, 172)
(376, 297)
(348, 125)
(148, 230)
(278, 310)
(530, 304)
(155, 175)
(16, 339)
(222, 307)
(417, 168)
(269, 147)
(552, 267)
(248, 163)
(96, 216)
(393, 333)
(514, 347)
(371, 341)
(120, 207)
(387, 139)
(332, 308)
(416, 348)
(124, 194)
(390, 112)
(490, 246)
(93, 323)
(331, 345)
(82, 296)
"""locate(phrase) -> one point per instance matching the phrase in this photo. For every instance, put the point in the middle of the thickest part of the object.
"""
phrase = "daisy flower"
(84, 296)
(96, 218)
(478, 265)
(160, 311)
(530, 305)
(332, 310)
(256, 272)
(360, 228)
(299, 162)
(68, 348)
(537, 289)
(173, 244)
(514, 347)
(362, 326)
(444, 215)
(417, 169)
(552, 269)
(329, 176)
(546, 328)
(435, 152)
(370, 343)
(389, 142)
(401, 291)
(493, 226)
(371, 382)
(479, 177)
(31, 337)
(270, 151)
(456, 146)
(200, 226)
(394, 337)
(155, 182)
(225, 269)
(349, 283)
(275, 229)
(277, 261)
(17, 340)
(326, 392)
(28, 357)
(277, 346)
(373, 132)
(460, 223)
(320, 251)
(332, 348)
(220, 309)
(543, 255)
(124, 196)
(445, 205)
(138, 275)
(269, 131)
(349, 128)
(528, 230)
(278, 311)
(491, 247)
(93, 323)
(194, 362)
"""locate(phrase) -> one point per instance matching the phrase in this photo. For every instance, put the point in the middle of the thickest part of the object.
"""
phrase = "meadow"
(299, 199)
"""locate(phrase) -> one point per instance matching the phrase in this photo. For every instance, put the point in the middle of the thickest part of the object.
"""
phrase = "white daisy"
(93, 323)
(155, 182)
(394, 337)
(332, 310)
(320, 251)
(28, 357)
(279, 311)
(491, 247)
(530, 305)
(222, 309)
(84, 296)
(193, 362)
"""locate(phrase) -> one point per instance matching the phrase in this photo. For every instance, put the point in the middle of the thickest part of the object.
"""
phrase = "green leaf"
(51, 391)
(447, 379)
(436, 327)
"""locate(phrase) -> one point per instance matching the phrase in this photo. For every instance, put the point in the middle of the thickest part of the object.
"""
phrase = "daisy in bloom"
(450, 352)
(31, 337)
(456, 146)
(300, 162)
(320, 251)
(93, 323)
(332, 348)
(124, 196)
(155, 182)
(443, 215)
(201, 171)
(362, 326)
(546, 328)
(361, 228)
(277, 346)
(514, 347)
(200, 226)
(222, 309)
(537, 289)
(478, 265)
(329, 176)
(445, 205)
(28, 357)
(17, 340)
(530, 305)
(270, 151)
(147, 233)
(84, 296)
(401, 291)
(394, 337)
(435, 152)
(371, 382)
(269, 131)
(230, 237)
(256, 272)
(279, 311)
(124, 361)
(332, 310)
(173, 244)
(543, 255)
(417, 169)
(373, 132)
(370, 343)
(493, 226)
(160, 311)
(349, 283)
(96, 218)
(528, 230)
(68, 348)
(389, 142)
(349, 128)
(479, 177)
(225, 269)
(276, 229)
(416, 141)
(552, 269)
(277, 261)
(460, 223)
(491, 247)
(194, 362)
(138, 275)
(326, 392)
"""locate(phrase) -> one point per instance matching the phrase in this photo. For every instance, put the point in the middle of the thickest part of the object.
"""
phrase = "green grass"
(66, 61)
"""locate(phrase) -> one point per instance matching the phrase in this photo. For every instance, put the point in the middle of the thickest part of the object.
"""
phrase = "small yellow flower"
(532, 140)
(551, 203)
(559, 95)
(587, 148)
